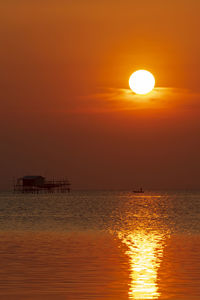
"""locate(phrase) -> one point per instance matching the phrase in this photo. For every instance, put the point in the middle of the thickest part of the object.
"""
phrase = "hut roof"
(32, 177)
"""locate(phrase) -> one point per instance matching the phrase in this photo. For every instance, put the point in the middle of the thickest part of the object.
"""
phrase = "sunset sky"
(66, 107)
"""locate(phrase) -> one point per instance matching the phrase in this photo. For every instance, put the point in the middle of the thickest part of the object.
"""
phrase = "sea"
(100, 245)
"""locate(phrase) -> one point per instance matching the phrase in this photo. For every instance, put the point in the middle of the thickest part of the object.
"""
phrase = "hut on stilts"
(39, 184)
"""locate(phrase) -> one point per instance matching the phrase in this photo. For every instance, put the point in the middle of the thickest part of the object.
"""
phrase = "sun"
(142, 82)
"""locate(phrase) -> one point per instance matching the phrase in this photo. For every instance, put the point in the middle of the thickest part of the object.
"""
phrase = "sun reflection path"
(145, 253)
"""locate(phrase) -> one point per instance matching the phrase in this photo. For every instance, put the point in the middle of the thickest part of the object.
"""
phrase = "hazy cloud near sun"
(116, 99)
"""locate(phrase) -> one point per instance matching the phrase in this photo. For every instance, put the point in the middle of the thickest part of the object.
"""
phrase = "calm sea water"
(100, 245)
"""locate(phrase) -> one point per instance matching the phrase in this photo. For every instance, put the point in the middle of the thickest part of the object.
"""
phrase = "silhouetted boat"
(138, 191)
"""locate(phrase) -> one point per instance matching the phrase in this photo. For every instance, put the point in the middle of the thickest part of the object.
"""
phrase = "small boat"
(138, 191)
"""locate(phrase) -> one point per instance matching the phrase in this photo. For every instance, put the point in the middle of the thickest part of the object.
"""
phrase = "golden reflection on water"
(145, 252)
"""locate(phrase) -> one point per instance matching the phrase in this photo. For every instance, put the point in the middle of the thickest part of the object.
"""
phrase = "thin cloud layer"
(117, 99)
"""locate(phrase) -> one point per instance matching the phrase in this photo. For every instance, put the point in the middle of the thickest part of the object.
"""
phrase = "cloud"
(126, 99)
(117, 99)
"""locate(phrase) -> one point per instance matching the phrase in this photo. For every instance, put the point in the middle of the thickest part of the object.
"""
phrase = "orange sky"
(65, 103)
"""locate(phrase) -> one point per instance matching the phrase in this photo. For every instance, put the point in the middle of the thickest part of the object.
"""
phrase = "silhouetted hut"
(36, 184)
(32, 181)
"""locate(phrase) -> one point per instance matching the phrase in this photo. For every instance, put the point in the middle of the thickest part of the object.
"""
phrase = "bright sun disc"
(142, 82)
